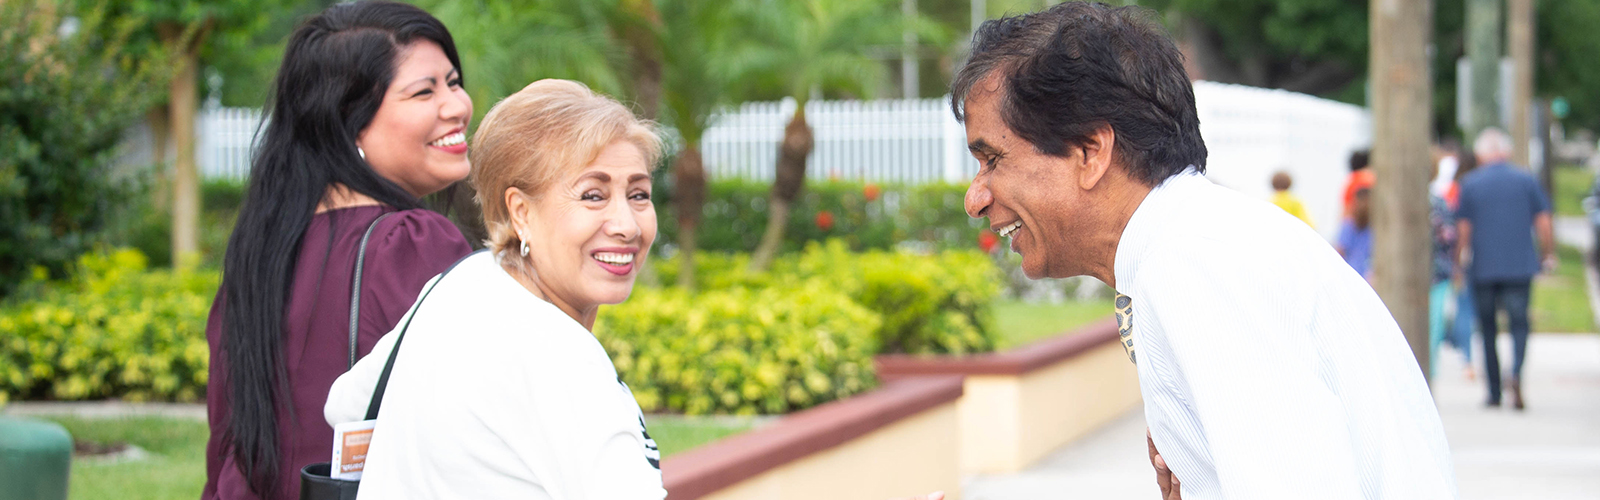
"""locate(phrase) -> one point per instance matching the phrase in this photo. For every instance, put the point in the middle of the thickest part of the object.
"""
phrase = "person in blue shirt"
(1355, 237)
(1501, 209)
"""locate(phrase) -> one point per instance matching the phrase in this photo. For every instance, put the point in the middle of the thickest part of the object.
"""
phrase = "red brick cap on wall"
(721, 464)
(1012, 362)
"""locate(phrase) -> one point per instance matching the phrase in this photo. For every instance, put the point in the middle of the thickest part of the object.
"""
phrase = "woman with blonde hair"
(496, 387)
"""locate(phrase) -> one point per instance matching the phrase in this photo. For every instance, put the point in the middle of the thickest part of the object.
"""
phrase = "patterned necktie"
(1125, 324)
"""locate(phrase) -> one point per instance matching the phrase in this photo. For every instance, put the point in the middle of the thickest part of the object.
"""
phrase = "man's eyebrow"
(980, 146)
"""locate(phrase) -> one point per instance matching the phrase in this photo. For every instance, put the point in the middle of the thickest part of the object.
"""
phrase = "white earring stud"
(361, 152)
(524, 248)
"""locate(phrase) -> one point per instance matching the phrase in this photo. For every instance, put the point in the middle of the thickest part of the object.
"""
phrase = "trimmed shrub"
(929, 304)
(740, 350)
(118, 329)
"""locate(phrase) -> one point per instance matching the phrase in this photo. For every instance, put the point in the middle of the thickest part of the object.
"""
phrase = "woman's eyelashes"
(596, 195)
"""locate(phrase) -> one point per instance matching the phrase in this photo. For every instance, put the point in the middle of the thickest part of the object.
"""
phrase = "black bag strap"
(355, 286)
(388, 366)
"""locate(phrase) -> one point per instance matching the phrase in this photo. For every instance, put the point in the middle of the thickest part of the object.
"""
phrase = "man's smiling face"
(1033, 198)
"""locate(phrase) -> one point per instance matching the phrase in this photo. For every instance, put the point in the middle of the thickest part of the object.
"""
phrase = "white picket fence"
(225, 141)
(1250, 133)
(910, 141)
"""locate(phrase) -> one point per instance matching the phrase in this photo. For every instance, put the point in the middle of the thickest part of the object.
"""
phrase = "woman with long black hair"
(367, 116)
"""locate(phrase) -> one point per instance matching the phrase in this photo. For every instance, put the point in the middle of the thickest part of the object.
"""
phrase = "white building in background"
(1250, 134)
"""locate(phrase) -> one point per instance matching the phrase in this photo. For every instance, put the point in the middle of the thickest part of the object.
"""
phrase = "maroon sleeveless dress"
(404, 252)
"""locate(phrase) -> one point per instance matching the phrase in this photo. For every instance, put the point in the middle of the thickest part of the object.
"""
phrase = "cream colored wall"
(1009, 422)
(914, 456)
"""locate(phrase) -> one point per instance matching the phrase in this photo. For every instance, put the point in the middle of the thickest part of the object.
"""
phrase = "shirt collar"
(1145, 227)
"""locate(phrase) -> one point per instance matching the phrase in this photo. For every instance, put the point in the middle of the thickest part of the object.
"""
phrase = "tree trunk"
(160, 144)
(182, 102)
(690, 183)
(645, 52)
(1519, 42)
(1401, 117)
(791, 178)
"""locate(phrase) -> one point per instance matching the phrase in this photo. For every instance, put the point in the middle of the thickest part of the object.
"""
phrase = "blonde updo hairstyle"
(530, 139)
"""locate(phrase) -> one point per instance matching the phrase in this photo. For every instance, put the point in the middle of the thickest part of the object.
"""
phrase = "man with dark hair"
(1269, 368)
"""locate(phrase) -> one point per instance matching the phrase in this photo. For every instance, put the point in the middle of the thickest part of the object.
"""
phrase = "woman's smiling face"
(417, 139)
(589, 233)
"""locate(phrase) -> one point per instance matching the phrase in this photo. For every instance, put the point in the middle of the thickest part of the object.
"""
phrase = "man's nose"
(978, 198)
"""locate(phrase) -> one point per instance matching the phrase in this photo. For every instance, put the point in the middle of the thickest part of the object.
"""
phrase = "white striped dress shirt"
(1269, 368)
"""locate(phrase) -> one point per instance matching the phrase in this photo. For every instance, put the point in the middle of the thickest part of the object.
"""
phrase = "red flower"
(987, 240)
(825, 220)
(871, 192)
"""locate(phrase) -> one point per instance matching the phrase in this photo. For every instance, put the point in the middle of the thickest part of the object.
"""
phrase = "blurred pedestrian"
(1360, 176)
(1502, 208)
(1355, 236)
(1286, 200)
(1466, 315)
(368, 115)
(1268, 368)
(1441, 222)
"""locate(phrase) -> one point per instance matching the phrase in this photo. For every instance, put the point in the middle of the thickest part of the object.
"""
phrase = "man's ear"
(1096, 149)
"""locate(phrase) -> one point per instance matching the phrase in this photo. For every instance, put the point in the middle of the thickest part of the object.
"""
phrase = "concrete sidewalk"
(1549, 452)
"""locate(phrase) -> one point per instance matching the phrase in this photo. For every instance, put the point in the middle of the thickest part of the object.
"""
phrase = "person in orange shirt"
(1360, 177)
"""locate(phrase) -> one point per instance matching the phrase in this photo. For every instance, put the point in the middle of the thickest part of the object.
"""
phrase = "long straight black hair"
(335, 72)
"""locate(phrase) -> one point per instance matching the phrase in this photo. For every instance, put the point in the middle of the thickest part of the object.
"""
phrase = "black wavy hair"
(335, 71)
(1075, 67)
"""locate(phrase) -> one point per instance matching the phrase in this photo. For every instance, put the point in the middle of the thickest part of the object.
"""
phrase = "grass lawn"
(1569, 184)
(678, 433)
(175, 468)
(1561, 300)
(1020, 323)
(176, 465)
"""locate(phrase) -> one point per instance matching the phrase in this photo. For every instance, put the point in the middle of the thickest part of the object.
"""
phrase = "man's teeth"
(614, 258)
(1006, 231)
(450, 140)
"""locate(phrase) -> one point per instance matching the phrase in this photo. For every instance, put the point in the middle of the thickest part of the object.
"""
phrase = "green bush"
(938, 303)
(117, 329)
(740, 350)
(735, 215)
(65, 102)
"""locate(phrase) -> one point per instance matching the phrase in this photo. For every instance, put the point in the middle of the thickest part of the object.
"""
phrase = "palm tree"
(701, 71)
(811, 45)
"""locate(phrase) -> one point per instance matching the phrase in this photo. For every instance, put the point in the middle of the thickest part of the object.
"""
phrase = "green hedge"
(735, 216)
(937, 303)
(740, 350)
(798, 335)
(118, 329)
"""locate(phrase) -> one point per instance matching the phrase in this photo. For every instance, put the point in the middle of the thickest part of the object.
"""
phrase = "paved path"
(1549, 452)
